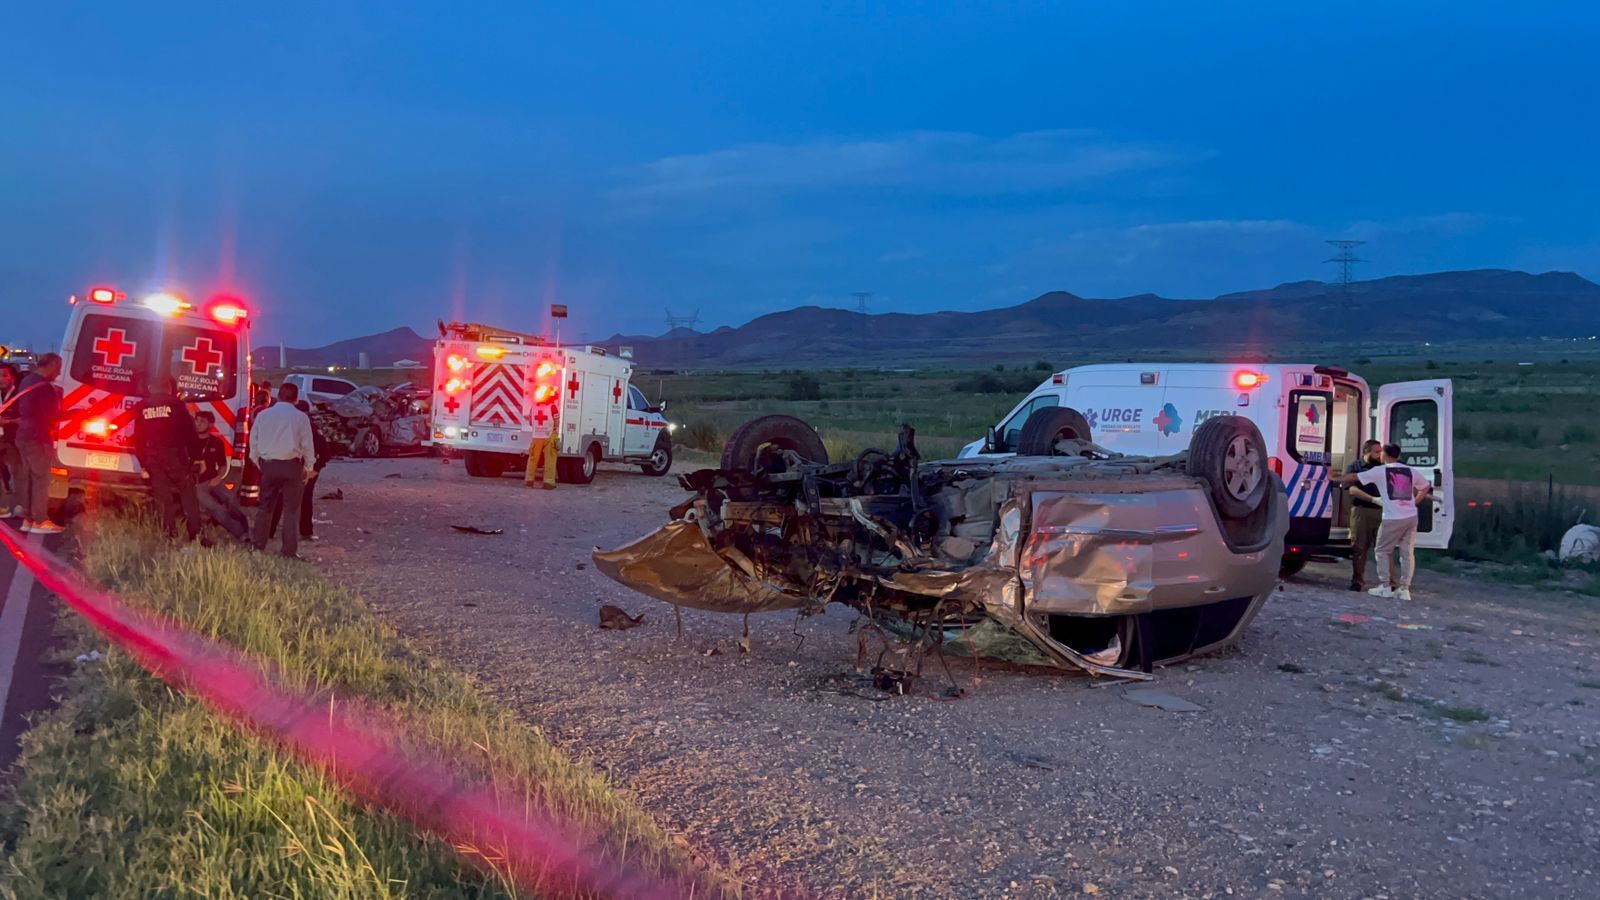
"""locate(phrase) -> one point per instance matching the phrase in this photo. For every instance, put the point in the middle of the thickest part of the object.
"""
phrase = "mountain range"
(1441, 307)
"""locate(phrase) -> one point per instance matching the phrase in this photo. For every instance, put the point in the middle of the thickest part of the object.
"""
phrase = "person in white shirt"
(283, 450)
(1398, 489)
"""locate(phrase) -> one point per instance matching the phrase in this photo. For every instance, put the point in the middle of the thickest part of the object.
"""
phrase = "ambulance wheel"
(660, 460)
(1047, 428)
(580, 469)
(483, 465)
(744, 450)
(1290, 565)
(1230, 455)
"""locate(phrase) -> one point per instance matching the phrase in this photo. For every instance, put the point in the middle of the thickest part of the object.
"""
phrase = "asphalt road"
(26, 636)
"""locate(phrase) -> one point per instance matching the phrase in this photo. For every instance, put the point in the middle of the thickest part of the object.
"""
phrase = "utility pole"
(861, 301)
(675, 321)
(1346, 258)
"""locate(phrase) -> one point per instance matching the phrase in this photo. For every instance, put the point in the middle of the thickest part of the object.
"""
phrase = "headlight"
(671, 427)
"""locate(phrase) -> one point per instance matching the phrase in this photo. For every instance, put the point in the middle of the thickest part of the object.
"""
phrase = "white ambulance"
(1313, 418)
(113, 346)
(497, 392)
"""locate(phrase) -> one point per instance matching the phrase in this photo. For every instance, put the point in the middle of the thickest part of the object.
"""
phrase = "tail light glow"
(545, 369)
(1249, 379)
(543, 393)
(455, 363)
(1276, 465)
(454, 385)
(97, 428)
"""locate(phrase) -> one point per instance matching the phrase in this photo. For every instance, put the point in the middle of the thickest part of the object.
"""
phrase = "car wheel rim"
(588, 464)
(1061, 437)
(1241, 468)
(658, 459)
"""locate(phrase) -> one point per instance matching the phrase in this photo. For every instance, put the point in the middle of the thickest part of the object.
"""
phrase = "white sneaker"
(1381, 590)
(1402, 594)
(13, 513)
(26, 527)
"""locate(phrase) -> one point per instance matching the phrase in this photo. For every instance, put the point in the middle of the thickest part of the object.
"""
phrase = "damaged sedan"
(1067, 555)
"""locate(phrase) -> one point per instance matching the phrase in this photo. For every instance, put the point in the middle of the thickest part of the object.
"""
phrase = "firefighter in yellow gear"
(547, 450)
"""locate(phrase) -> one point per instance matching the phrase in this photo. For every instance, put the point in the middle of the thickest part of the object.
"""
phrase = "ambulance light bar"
(1249, 379)
(490, 352)
(166, 304)
(105, 295)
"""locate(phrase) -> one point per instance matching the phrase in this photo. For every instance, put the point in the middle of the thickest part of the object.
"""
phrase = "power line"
(861, 300)
(1346, 258)
(675, 322)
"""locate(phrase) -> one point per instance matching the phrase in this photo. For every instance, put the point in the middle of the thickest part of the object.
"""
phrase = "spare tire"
(1230, 454)
(1047, 427)
(744, 446)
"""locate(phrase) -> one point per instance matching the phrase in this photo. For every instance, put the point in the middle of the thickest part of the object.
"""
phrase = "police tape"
(354, 745)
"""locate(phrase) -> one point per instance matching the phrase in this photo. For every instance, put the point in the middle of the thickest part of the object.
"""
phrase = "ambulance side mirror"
(991, 441)
(658, 408)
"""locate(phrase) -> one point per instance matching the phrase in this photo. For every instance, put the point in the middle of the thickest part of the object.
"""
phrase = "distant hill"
(1484, 304)
(1442, 307)
(382, 350)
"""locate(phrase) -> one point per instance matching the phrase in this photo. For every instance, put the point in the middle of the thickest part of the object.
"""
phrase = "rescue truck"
(1314, 419)
(499, 392)
(112, 348)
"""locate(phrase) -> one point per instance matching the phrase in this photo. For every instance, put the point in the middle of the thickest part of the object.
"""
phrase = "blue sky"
(355, 166)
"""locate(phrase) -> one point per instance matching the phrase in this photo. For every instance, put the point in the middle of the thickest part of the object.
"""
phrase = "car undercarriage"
(1066, 555)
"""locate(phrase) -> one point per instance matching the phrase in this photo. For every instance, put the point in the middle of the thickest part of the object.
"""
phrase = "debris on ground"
(473, 529)
(91, 656)
(615, 618)
(335, 494)
(394, 475)
(1161, 700)
(1291, 668)
(1581, 544)
(1351, 619)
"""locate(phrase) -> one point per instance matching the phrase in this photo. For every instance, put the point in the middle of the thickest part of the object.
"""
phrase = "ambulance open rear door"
(1418, 416)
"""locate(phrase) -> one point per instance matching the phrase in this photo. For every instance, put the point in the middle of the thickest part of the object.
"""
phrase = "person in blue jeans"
(211, 464)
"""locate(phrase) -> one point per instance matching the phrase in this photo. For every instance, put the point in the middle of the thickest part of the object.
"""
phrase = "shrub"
(1577, 433)
(804, 387)
(1043, 365)
(1516, 528)
(701, 435)
(1525, 435)
(1463, 431)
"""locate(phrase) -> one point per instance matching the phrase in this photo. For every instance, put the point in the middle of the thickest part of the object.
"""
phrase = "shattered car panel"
(1099, 562)
(397, 418)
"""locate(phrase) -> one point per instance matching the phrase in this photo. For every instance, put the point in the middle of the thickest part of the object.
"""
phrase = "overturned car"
(1067, 555)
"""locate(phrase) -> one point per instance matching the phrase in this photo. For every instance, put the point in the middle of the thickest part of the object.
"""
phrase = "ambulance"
(498, 392)
(113, 346)
(1314, 419)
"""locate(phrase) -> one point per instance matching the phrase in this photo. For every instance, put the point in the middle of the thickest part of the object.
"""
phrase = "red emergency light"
(105, 295)
(1249, 379)
(228, 310)
(544, 393)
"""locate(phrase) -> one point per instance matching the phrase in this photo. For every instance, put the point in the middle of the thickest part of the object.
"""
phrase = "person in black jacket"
(211, 488)
(38, 412)
(164, 439)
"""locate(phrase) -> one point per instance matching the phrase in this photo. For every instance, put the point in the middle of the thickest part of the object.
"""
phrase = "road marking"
(12, 620)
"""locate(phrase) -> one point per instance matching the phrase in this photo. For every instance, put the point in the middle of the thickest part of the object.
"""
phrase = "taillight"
(455, 363)
(1277, 466)
(99, 428)
(543, 393)
(454, 385)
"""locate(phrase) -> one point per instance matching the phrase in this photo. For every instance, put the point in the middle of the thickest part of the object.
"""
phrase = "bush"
(804, 387)
(701, 435)
(998, 383)
(1431, 365)
(1577, 433)
(1043, 365)
(1525, 435)
(1516, 528)
(1463, 431)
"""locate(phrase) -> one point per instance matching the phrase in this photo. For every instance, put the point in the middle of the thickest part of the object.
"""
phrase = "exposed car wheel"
(1229, 453)
(1046, 428)
(367, 444)
(484, 465)
(743, 450)
(1291, 565)
(660, 460)
(472, 461)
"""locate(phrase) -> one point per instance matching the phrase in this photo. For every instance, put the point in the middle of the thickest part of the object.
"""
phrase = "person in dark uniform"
(1365, 516)
(165, 441)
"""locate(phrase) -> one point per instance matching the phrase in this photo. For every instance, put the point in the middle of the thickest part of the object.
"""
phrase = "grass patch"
(131, 789)
(1593, 685)
(1460, 713)
(1474, 657)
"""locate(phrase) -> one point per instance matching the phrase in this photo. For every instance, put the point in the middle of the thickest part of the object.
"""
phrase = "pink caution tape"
(353, 744)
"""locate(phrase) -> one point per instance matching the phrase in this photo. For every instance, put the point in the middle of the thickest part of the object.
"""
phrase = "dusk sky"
(352, 167)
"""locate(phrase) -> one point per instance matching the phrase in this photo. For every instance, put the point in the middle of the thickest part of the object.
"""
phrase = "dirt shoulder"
(1351, 747)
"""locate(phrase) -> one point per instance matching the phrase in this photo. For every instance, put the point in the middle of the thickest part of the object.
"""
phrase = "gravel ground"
(1351, 747)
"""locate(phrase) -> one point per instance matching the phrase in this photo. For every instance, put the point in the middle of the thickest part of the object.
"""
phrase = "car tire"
(785, 432)
(484, 465)
(472, 462)
(660, 461)
(367, 444)
(1047, 427)
(1228, 453)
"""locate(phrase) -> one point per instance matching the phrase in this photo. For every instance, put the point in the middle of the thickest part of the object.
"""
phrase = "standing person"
(211, 488)
(165, 442)
(547, 450)
(1397, 488)
(324, 451)
(1365, 515)
(283, 449)
(38, 406)
(10, 463)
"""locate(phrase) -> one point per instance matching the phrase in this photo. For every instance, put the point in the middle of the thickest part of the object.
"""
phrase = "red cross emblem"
(115, 347)
(572, 385)
(451, 405)
(202, 355)
(616, 392)
(540, 416)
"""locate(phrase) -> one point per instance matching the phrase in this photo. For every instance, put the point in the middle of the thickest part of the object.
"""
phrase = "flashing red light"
(543, 393)
(105, 295)
(1277, 466)
(97, 428)
(455, 363)
(1249, 379)
(454, 385)
(545, 370)
(229, 312)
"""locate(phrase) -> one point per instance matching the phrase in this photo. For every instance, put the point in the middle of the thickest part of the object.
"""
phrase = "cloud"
(936, 162)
